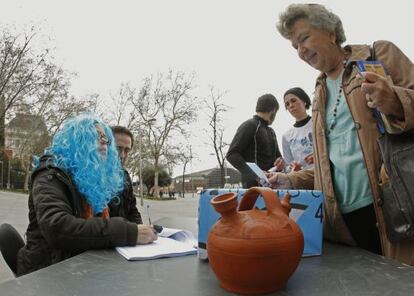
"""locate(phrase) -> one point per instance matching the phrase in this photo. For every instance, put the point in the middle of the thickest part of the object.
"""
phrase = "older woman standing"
(347, 158)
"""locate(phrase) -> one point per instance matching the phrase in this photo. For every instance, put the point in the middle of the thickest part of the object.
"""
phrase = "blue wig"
(75, 149)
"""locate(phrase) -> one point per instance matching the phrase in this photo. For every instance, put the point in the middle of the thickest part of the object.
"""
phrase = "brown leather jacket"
(401, 70)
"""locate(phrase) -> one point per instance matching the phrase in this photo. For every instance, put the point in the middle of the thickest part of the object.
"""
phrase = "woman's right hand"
(295, 166)
(309, 159)
(146, 234)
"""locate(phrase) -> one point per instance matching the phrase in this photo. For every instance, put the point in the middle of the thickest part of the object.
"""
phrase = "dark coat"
(125, 205)
(256, 142)
(56, 231)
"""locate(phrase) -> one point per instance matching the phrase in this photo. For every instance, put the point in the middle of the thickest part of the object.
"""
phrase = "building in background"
(23, 129)
(25, 135)
(206, 179)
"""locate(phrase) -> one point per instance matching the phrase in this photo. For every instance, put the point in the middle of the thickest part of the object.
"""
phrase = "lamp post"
(191, 173)
(141, 184)
(9, 154)
(1, 173)
(8, 175)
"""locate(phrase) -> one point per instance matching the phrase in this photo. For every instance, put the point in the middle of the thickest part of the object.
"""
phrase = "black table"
(339, 271)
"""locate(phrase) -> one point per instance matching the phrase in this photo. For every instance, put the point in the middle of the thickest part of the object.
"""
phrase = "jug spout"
(225, 204)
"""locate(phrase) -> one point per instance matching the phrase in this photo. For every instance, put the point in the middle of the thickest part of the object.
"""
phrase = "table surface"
(339, 271)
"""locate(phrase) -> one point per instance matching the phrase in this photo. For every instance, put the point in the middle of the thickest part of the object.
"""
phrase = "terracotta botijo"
(254, 251)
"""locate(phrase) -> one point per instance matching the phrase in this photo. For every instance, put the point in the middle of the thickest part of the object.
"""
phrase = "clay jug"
(254, 251)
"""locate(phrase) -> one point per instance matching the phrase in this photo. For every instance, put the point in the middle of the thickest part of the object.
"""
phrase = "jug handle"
(270, 197)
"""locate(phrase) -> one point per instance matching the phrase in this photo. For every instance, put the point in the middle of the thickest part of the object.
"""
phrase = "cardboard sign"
(307, 211)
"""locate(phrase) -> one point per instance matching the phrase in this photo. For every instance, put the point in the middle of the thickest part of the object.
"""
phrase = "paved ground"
(13, 210)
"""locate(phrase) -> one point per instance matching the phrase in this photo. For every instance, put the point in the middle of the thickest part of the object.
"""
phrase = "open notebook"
(170, 243)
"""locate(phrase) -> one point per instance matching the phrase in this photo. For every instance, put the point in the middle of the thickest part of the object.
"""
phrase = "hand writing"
(146, 234)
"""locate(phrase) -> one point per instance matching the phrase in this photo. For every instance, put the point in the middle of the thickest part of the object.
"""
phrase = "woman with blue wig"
(71, 186)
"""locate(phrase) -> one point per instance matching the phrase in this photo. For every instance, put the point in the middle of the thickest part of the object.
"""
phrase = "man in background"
(125, 205)
(255, 141)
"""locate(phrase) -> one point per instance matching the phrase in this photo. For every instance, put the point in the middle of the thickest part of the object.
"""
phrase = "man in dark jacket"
(71, 187)
(124, 204)
(255, 141)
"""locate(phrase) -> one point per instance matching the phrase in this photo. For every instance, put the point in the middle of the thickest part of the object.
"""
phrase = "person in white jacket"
(297, 142)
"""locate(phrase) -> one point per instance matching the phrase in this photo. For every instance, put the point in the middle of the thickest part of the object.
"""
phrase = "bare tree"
(37, 136)
(216, 130)
(179, 154)
(186, 158)
(164, 107)
(22, 70)
(47, 109)
(121, 111)
(31, 84)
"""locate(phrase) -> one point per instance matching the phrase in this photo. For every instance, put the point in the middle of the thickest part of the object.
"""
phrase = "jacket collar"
(356, 53)
(257, 117)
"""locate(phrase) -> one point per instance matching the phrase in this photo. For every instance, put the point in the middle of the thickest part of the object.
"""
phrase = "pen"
(149, 219)
(157, 228)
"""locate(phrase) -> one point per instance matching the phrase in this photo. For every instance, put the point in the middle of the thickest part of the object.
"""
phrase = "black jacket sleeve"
(240, 148)
(132, 213)
(240, 144)
(62, 229)
(278, 154)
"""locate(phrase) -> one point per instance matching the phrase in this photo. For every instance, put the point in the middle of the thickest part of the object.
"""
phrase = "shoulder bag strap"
(380, 123)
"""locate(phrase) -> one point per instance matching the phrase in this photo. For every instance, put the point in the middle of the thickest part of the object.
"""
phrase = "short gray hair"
(318, 17)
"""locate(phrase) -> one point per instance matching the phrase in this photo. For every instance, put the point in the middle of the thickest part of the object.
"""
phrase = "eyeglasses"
(104, 139)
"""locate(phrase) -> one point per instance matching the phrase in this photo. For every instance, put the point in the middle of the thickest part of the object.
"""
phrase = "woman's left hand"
(380, 95)
(279, 164)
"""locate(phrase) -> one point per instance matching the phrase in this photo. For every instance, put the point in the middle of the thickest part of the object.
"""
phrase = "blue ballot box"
(307, 211)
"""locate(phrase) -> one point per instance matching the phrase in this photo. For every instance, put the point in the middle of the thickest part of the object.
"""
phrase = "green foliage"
(148, 173)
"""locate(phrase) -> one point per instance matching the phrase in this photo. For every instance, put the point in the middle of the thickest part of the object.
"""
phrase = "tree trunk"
(27, 176)
(183, 183)
(222, 176)
(156, 175)
(2, 129)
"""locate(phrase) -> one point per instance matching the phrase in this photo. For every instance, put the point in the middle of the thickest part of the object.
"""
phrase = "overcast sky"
(230, 44)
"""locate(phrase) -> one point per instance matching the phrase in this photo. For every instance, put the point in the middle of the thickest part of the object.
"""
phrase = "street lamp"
(191, 173)
(1, 173)
(8, 175)
(141, 188)
(141, 184)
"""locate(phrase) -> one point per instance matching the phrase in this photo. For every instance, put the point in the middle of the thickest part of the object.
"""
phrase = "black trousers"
(362, 225)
